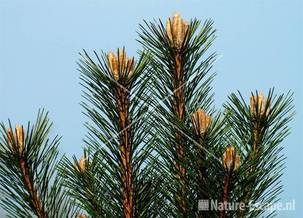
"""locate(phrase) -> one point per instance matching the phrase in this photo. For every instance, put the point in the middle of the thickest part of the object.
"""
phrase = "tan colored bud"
(228, 157)
(122, 58)
(113, 64)
(130, 66)
(120, 63)
(20, 136)
(176, 29)
(82, 164)
(169, 30)
(200, 121)
(10, 136)
(231, 161)
(126, 64)
(81, 216)
(258, 105)
(237, 162)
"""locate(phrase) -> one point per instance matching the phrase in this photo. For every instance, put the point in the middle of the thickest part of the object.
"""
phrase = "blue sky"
(259, 43)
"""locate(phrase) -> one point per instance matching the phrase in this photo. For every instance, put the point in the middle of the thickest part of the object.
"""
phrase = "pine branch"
(81, 177)
(116, 101)
(181, 87)
(27, 167)
(258, 129)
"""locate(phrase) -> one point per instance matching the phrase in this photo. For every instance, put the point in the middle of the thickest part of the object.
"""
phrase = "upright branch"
(259, 127)
(176, 31)
(259, 110)
(81, 178)
(118, 136)
(231, 163)
(200, 124)
(28, 180)
(181, 86)
(122, 68)
(17, 142)
(87, 181)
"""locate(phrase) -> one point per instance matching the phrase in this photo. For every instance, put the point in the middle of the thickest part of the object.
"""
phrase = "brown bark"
(34, 197)
(126, 153)
(179, 109)
(225, 197)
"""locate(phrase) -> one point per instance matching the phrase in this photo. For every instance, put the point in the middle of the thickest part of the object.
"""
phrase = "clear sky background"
(259, 41)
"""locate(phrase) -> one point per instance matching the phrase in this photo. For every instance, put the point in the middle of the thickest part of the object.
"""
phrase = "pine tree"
(156, 144)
